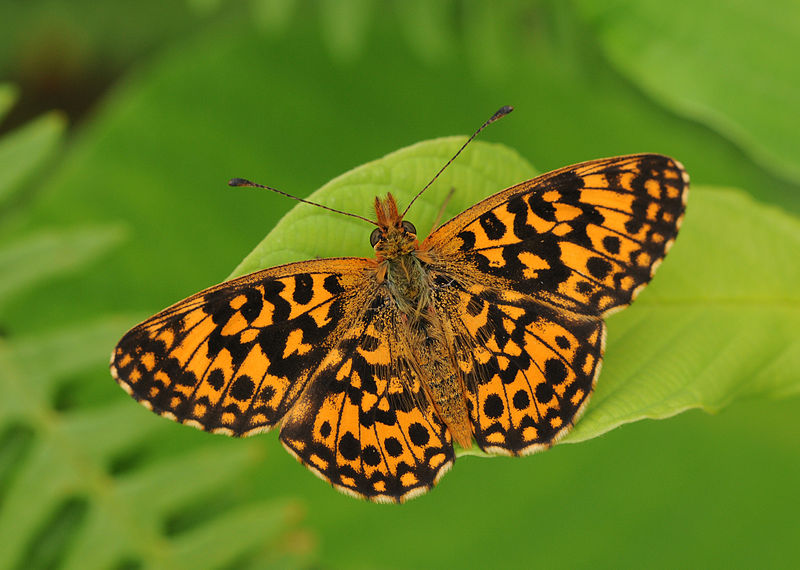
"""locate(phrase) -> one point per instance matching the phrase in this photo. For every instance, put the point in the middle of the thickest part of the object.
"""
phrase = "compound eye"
(409, 227)
(375, 237)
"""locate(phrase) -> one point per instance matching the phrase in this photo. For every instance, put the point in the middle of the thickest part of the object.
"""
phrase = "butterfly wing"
(532, 371)
(234, 358)
(586, 238)
(536, 267)
(364, 423)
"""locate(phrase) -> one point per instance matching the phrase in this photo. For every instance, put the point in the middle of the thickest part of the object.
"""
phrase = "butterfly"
(489, 332)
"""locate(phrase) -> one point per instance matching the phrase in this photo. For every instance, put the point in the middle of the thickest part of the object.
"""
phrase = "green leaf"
(23, 151)
(344, 26)
(8, 95)
(70, 494)
(31, 369)
(246, 528)
(480, 171)
(704, 334)
(732, 66)
(34, 258)
(273, 16)
(135, 506)
(68, 458)
(428, 29)
(55, 464)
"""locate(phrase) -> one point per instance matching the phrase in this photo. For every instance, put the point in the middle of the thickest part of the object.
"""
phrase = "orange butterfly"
(491, 330)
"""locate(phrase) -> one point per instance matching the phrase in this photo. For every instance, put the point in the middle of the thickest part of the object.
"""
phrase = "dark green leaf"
(732, 66)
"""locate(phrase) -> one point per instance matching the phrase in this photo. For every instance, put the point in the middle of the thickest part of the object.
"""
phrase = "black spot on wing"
(467, 241)
(393, 446)
(493, 406)
(281, 309)
(303, 288)
(349, 446)
(598, 267)
(332, 285)
(371, 456)
(325, 429)
(418, 434)
(521, 400)
(555, 371)
(216, 379)
(567, 183)
(242, 388)
(493, 227)
(611, 244)
(544, 392)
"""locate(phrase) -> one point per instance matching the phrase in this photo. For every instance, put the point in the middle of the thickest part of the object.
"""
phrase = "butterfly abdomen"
(428, 345)
(434, 363)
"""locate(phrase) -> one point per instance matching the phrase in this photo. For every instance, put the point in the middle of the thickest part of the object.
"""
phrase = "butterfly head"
(394, 236)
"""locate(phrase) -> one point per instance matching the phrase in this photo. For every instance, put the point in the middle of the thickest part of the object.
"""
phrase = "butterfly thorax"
(400, 260)
(403, 270)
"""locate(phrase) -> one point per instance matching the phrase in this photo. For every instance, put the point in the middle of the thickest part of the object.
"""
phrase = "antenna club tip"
(501, 112)
(239, 182)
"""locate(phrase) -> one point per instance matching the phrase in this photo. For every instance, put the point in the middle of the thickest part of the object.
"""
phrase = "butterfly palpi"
(488, 332)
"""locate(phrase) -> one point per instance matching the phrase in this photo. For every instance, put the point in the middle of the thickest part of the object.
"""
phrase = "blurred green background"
(123, 122)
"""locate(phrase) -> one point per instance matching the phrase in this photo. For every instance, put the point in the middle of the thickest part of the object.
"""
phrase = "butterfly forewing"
(585, 238)
(235, 357)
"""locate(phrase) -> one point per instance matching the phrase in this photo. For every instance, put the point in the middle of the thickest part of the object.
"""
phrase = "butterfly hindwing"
(585, 238)
(364, 423)
(235, 357)
(534, 369)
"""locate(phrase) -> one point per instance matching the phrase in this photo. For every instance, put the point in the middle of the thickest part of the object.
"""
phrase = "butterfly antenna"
(243, 182)
(501, 112)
